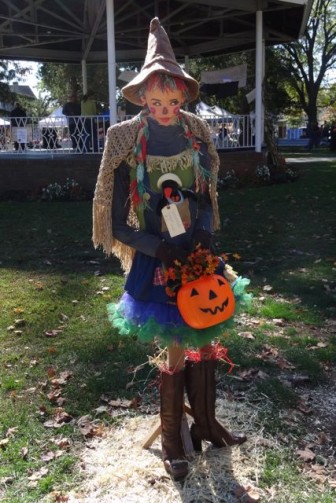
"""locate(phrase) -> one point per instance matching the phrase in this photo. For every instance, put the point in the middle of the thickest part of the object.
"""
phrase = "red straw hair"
(165, 82)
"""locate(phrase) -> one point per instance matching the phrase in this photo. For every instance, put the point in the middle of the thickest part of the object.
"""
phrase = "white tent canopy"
(55, 119)
(232, 74)
(214, 112)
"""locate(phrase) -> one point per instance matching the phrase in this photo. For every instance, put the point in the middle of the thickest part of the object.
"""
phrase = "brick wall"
(22, 174)
(243, 162)
(26, 174)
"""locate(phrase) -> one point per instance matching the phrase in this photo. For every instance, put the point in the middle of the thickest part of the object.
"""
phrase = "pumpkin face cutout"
(206, 301)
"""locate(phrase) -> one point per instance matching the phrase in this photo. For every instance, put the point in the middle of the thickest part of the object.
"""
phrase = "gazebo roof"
(71, 31)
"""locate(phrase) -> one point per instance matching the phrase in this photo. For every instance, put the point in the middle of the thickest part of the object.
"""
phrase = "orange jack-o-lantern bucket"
(206, 301)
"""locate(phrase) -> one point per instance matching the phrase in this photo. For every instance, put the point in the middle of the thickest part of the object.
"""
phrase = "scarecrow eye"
(220, 282)
(194, 292)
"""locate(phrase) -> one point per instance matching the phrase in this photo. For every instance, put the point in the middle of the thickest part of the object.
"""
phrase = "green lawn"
(59, 355)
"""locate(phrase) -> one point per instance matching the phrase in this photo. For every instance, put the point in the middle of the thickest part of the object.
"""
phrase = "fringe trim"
(102, 229)
(102, 236)
(184, 160)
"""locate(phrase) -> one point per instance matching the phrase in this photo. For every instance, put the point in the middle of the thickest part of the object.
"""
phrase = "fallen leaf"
(102, 409)
(59, 497)
(87, 430)
(246, 335)
(3, 443)
(42, 410)
(306, 455)
(53, 333)
(284, 364)
(24, 453)
(265, 442)
(319, 345)
(278, 321)
(52, 423)
(304, 408)
(38, 474)
(134, 403)
(11, 431)
(48, 456)
(20, 322)
(31, 390)
(247, 494)
(63, 443)
(53, 395)
(6, 480)
(323, 438)
(251, 374)
(51, 372)
(124, 404)
(66, 374)
(61, 416)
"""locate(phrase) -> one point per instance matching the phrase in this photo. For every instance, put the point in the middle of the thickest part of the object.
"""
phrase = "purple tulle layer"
(139, 312)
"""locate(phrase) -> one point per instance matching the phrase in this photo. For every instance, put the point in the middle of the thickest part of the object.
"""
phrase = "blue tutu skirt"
(162, 321)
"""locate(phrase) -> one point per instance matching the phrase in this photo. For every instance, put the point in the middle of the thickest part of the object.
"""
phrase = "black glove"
(168, 253)
(202, 238)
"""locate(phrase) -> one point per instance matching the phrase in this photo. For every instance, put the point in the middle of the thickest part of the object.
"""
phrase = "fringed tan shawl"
(119, 145)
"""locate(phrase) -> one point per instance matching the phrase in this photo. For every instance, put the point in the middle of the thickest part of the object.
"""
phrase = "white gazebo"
(84, 31)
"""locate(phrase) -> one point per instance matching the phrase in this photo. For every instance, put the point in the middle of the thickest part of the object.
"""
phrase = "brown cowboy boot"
(201, 391)
(171, 411)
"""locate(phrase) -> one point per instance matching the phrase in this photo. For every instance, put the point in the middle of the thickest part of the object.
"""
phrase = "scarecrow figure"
(163, 158)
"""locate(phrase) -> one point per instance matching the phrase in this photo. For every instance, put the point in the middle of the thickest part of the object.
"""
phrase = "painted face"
(164, 106)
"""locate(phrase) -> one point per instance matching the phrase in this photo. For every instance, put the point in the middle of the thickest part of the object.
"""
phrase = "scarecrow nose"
(212, 295)
(165, 111)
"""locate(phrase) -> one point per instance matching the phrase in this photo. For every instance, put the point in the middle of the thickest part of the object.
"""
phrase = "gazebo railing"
(86, 135)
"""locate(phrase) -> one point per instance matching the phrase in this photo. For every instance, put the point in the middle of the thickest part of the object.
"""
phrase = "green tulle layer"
(182, 335)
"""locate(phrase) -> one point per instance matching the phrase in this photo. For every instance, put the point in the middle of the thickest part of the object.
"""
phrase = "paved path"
(310, 159)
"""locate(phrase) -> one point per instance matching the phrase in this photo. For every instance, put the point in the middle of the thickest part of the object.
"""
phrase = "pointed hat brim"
(160, 58)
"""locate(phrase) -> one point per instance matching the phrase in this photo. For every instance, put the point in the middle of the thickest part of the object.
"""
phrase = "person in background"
(72, 109)
(17, 120)
(89, 110)
(163, 154)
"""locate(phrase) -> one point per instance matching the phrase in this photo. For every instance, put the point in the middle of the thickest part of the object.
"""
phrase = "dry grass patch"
(117, 469)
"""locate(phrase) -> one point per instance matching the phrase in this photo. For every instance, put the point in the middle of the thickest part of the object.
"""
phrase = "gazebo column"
(111, 59)
(260, 54)
(84, 76)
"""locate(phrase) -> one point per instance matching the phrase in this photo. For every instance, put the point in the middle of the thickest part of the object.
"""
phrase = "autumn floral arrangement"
(200, 262)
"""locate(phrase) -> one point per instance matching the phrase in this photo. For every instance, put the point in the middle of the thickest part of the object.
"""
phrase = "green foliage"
(308, 59)
(6, 75)
(63, 79)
